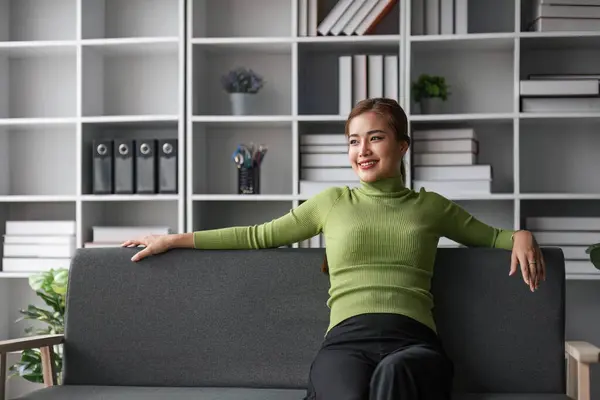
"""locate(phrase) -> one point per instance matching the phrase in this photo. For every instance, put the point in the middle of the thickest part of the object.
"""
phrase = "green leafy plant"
(51, 287)
(430, 86)
(594, 252)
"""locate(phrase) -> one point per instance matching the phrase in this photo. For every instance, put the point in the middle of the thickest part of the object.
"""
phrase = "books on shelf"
(362, 76)
(324, 163)
(445, 161)
(114, 236)
(560, 93)
(439, 17)
(307, 17)
(347, 17)
(572, 234)
(565, 15)
(35, 246)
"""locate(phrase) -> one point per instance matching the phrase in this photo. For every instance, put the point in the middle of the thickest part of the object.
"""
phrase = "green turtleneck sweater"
(381, 241)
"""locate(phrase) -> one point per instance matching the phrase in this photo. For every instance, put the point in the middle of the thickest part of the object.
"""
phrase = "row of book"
(324, 162)
(446, 161)
(347, 17)
(572, 234)
(560, 93)
(565, 15)
(33, 246)
(439, 17)
(362, 76)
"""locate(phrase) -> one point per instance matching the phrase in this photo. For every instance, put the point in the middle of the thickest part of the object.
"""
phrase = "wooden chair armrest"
(579, 357)
(32, 342)
(43, 342)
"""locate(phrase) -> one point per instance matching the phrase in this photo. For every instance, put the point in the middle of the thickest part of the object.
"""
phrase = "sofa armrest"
(579, 357)
(31, 342)
(42, 342)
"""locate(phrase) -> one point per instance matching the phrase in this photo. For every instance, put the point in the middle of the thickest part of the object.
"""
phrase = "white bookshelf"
(72, 71)
(483, 66)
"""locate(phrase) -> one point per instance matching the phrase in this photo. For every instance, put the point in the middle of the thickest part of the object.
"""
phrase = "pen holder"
(249, 180)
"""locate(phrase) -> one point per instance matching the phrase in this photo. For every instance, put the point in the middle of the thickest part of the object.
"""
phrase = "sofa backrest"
(256, 318)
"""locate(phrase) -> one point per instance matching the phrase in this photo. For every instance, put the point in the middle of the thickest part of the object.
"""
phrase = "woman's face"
(373, 150)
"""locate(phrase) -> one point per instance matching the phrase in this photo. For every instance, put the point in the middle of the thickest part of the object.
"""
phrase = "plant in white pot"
(242, 84)
(429, 91)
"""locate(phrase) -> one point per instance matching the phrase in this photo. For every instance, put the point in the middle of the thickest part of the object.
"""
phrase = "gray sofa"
(233, 325)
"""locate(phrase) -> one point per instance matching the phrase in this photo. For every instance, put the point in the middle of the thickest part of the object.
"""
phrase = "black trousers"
(381, 357)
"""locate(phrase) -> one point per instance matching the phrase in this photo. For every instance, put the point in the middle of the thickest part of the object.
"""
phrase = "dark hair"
(396, 119)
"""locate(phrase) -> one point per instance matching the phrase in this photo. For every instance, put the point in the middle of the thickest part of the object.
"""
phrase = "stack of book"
(445, 161)
(439, 17)
(565, 15)
(572, 234)
(114, 236)
(324, 162)
(560, 93)
(347, 17)
(34, 246)
(364, 76)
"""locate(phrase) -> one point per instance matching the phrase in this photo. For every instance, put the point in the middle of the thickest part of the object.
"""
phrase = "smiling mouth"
(367, 164)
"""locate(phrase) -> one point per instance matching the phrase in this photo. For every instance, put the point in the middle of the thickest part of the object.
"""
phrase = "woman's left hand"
(527, 254)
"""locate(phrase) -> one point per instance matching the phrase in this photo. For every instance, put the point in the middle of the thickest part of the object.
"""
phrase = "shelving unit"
(483, 66)
(72, 71)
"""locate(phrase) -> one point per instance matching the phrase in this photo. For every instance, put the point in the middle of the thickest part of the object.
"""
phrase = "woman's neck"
(384, 186)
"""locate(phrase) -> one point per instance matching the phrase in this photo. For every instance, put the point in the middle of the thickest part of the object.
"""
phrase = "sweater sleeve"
(455, 223)
(301, 223)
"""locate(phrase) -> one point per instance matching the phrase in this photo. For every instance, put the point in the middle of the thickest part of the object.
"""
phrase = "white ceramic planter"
(432, 105)
(241, 103)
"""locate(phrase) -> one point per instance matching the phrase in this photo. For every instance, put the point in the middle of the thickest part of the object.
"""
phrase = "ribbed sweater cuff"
(504, 239)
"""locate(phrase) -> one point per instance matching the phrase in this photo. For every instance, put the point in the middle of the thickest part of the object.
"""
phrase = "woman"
(381, 238)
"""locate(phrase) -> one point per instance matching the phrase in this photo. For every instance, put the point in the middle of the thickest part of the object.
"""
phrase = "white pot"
(431, 105)
(241, 103)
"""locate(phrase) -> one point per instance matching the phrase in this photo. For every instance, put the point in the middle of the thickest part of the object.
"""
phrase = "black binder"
(145, 166)
(167, 165)
(102, 165)
(124, 166)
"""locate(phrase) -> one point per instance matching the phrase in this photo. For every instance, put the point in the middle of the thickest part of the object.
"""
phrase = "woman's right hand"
(153, 244)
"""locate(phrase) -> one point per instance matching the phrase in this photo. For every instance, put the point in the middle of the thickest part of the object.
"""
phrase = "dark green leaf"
(595, 256)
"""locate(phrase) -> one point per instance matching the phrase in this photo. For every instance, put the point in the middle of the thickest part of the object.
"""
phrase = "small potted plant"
(594, 252)
(429, 91)
(241, 84)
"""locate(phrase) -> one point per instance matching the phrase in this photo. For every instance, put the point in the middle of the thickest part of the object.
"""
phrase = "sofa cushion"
(510, 396)
(155, 393)
(151, 393)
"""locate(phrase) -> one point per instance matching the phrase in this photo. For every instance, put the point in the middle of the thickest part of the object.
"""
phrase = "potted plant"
(594, 252)
(242, 84)
(429, 91)
(51, 287)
